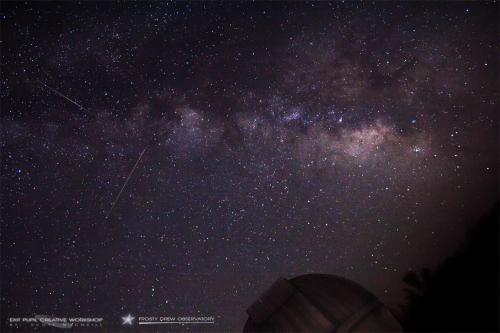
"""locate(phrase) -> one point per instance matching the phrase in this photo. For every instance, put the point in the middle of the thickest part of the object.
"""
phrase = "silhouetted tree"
(462, 294)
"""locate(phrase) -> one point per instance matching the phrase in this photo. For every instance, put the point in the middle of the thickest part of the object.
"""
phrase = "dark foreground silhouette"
(462, 294)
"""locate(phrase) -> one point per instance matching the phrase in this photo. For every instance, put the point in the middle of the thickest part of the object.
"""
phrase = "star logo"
(128, 319)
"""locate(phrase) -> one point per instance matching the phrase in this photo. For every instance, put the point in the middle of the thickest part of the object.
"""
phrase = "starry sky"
(356, 139)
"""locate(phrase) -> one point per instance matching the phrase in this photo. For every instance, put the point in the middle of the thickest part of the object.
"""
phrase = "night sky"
(354, 139)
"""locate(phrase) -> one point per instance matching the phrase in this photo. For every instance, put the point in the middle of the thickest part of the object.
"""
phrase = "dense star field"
(278, 139)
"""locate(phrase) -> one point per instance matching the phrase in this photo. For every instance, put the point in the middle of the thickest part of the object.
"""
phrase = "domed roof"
(318, 303)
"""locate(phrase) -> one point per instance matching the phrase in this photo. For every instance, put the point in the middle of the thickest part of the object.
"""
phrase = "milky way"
(279, 139)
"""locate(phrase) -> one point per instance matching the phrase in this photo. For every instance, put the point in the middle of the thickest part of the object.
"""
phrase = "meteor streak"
(125, 184)
(62, 95)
